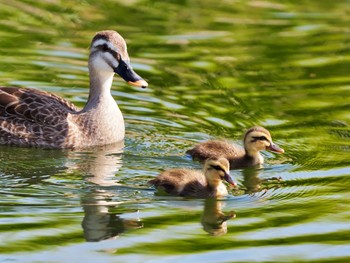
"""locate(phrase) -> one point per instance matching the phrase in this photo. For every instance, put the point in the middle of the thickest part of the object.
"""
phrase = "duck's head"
(216, 170)
(258, 139)
(108, 54)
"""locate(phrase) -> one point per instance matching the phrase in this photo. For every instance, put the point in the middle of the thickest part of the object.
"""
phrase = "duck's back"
(30, 117)
(182, 182)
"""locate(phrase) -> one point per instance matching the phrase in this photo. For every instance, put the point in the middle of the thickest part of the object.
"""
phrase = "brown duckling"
(256, 139)
(196, 183)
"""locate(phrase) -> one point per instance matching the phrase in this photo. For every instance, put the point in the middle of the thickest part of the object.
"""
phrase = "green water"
(215, 68)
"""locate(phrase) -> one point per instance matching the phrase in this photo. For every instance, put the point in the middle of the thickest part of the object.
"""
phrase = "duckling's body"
(255, 140)
(195, 183)
(33, 118)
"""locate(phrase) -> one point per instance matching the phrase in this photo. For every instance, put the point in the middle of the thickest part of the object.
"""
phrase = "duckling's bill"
(228, 179)
(275, 148)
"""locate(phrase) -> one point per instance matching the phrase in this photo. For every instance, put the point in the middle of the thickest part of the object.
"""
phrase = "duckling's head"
(108, 55)
(216, 170)
(257, 139)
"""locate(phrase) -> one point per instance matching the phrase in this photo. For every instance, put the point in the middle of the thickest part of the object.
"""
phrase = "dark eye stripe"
(106, 48)
(260, 138)
(218, 168)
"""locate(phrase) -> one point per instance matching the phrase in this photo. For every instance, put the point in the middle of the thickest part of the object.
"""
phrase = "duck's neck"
(100, 89)
(102, 112)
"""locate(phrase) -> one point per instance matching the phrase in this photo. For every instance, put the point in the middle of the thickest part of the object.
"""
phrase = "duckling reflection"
(251, 180)
(253, 183)
(256, 139)
(100, 221)
(195, 183)
(213, 219)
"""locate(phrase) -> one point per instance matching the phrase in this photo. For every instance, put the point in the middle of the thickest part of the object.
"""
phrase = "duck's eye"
(123, 64)
(105, 48)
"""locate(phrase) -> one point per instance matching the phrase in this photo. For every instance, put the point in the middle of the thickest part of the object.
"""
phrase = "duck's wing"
(31, 117)
(33, 106)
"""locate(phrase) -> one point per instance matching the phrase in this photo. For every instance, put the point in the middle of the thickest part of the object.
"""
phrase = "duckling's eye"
(260, 138)
(216, 167)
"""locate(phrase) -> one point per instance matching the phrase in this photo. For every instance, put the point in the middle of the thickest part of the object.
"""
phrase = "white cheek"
(104, 42)
(111, 60)
(104, 62)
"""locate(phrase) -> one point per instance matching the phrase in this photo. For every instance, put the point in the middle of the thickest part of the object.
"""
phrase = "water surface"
(215, 68)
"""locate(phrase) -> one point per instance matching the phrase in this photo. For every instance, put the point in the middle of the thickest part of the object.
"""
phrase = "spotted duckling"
(196, 183)
(34, 118)
(256, 139)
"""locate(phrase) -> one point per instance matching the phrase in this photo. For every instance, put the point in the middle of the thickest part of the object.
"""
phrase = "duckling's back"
(216, 148)
(182, 182)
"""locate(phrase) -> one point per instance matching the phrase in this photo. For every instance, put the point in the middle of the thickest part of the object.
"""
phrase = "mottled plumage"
(196, 183)
(33, 118)
(255, 140)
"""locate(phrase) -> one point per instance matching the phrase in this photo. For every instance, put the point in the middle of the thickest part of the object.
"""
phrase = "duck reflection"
(99, 164)
(101, 221)
(213, 219)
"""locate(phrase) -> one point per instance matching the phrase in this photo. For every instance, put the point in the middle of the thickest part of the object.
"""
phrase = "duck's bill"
(228, 179)
(275, 148)
(139, 83)
(125, 70)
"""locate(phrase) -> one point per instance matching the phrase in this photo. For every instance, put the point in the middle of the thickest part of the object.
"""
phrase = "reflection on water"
(100, 164)
(253, 183)
(213, 219)
(99, 221)
(215, 69)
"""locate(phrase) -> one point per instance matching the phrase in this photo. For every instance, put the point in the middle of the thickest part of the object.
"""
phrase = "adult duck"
(196, 183)
(33, 118)
(256, 139)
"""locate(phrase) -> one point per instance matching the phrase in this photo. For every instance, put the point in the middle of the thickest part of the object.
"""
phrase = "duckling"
(196, 183)
(33, 118)
(256, 139)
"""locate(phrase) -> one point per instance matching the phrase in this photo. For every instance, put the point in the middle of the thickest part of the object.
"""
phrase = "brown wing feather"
(32, 117)
(34, 105)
